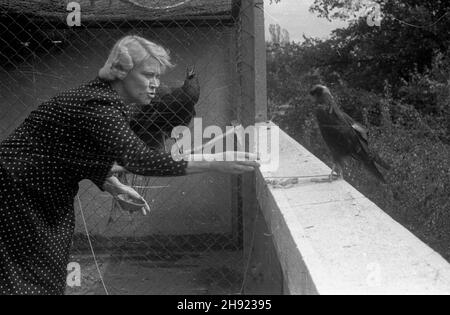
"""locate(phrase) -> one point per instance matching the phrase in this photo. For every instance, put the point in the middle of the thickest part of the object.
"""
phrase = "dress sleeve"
(108, 125)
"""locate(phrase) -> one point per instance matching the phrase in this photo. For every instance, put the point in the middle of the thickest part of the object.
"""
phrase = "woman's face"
(140, 85)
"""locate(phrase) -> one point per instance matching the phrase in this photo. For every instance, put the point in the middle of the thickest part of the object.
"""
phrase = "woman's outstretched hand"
(229, 162)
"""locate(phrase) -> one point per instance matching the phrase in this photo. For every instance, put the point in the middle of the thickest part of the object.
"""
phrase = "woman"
(83, 133)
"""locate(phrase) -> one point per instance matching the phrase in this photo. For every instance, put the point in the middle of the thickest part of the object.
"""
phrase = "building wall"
(190, 205)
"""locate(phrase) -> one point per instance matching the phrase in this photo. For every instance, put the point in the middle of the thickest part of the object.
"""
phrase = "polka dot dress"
(77, 135)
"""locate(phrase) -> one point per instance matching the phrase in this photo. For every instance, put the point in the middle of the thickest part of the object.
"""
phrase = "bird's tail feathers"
(372, 168)
(381, 162)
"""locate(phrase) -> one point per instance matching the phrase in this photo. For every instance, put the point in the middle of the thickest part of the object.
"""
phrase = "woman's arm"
(235, 168)
(227, 162)
(116, 142)
(206, 163)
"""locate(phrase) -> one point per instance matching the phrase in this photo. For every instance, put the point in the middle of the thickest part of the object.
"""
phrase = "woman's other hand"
(116, 169)
(116, 188)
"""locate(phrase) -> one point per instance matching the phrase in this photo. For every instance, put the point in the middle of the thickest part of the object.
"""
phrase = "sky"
(294, 16)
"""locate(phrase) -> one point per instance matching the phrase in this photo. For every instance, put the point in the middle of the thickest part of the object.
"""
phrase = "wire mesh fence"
(192, 242)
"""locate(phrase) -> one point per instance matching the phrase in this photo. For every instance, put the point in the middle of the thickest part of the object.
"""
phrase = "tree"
(278, 35)
(411, 34)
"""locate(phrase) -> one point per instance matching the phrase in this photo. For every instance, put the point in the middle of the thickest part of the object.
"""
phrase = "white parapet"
(331, 239)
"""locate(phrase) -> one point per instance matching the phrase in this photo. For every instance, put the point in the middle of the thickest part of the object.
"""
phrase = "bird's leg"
(340, 171)
(333, 174)
(336, 172)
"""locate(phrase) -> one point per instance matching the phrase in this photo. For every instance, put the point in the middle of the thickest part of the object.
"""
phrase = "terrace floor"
(218, 272)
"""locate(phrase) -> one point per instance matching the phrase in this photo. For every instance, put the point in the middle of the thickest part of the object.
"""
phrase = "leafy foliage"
(411, 33)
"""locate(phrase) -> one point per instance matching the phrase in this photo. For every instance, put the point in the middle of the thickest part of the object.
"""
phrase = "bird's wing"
(360, 129)
(338, 134)
(355, 135)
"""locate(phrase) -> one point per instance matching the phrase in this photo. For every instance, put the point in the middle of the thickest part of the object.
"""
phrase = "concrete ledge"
(330, 239)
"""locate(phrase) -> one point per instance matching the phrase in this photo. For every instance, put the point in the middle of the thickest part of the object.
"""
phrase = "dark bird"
(344, 136)
(153, 123)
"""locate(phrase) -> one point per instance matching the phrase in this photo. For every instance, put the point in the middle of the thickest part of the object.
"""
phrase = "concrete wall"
(191, 205)
(330, 239)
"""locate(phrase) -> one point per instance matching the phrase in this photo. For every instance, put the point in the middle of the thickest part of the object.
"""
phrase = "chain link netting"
(192, 242)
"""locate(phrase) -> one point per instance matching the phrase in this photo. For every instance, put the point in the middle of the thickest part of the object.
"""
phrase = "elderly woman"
(83, 133)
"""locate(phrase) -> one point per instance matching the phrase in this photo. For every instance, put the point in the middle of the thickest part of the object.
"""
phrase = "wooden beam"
(252, 62)
(60, 23)
(260, 63)
(252, 74)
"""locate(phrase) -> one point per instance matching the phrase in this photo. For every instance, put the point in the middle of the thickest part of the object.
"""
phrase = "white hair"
(129, 52)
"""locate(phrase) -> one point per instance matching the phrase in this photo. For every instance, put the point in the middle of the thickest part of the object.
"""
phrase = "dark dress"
(77, 135)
